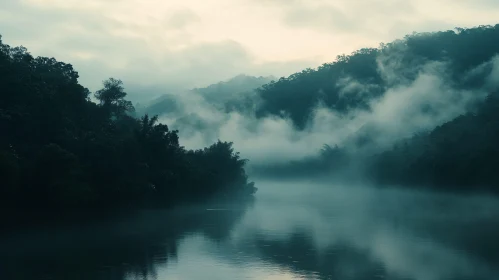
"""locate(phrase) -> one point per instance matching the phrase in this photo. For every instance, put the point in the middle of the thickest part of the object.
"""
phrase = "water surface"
(290, 231)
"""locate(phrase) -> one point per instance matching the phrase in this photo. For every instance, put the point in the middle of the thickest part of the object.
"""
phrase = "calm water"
(290, 231)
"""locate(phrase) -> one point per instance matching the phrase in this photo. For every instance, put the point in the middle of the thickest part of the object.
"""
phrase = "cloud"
(196, 66)
(380, 19)
(182, 19)
(144, 51)
(367, 18)
(418, 97)
(479, 4)
(157, 47)
(261, 37)
(324, 17)
(407, 106)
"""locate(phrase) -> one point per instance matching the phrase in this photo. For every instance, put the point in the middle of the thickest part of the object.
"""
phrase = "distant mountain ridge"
(229, 89)
(218, 95)
(421, 110)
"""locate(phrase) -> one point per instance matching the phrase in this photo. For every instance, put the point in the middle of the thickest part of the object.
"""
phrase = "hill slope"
(353, 81)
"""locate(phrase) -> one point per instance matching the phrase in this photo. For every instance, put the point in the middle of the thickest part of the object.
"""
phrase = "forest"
(61, 150)
(460, 153)
(297, 95)
(64, 147)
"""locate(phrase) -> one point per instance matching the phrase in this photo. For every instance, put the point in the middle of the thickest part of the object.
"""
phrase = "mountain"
(234, 94)
(423, 112)
(353, 82)
(232, 89)
(166, 104)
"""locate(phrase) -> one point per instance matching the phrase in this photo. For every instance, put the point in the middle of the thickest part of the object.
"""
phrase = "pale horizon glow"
(194, 43)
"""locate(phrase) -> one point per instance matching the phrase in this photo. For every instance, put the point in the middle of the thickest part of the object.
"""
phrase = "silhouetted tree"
(112, 97)
(59, 150)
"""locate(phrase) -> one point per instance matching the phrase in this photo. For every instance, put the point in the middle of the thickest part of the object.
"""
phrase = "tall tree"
(112, 97)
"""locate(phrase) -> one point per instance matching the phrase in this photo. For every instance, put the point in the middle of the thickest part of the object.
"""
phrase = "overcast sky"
(192, 43)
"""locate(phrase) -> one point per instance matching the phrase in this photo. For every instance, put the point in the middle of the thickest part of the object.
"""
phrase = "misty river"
(289, 231)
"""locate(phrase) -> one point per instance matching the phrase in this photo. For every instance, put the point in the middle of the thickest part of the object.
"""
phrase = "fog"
(407, 234)
(415, 100)
(101, 191)
(299, 230)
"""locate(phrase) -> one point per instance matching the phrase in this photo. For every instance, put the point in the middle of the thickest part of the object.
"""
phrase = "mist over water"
(356, 232)
(300, 230)
(412, 99)
(378, 164)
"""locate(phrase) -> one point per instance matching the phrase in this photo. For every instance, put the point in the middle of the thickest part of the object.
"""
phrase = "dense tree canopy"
(459, 154)
(58, 149)
(298, 94)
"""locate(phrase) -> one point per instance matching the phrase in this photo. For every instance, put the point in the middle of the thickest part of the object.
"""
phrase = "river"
(299, 230)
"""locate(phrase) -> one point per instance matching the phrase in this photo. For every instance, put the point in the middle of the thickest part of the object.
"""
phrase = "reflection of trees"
(392, 234)
(299, 254)
(474, 235)
(111, 249)
(348, 259)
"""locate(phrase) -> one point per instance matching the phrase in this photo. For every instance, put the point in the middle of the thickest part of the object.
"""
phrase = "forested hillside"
(454, 125)
(353, 81)
(59, 150)
(460, 154)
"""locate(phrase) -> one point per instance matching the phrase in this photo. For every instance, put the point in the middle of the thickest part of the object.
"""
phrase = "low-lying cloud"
(406, 107)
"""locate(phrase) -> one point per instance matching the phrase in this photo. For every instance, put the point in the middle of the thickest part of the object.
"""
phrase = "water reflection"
(118, 248)
(359, 233)
(291, 231)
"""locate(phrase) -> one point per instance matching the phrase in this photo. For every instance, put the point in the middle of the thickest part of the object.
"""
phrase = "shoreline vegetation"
(62, 152)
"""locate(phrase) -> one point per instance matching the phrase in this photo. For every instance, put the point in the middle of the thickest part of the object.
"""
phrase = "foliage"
(460, 154)
(60, 150)
(297, 95)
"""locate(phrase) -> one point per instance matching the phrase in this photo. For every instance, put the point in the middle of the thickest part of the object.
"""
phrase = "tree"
(59, 150)
(112, 97)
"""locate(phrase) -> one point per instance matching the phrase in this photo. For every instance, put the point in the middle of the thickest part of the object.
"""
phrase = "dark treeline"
(58, 149)
(460, 154)
(297, 95)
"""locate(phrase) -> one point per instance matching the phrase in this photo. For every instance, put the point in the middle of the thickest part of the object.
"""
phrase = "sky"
(192, 43)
